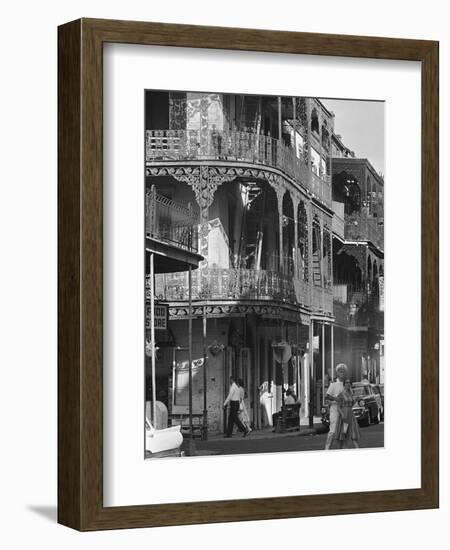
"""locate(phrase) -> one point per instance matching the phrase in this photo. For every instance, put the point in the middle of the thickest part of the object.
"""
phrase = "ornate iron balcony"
(363, 228)
(171, 222)
(242, 284)
(185, 145)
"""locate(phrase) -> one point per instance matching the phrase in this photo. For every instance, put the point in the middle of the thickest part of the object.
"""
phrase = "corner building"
(358, 264)
(258, 170)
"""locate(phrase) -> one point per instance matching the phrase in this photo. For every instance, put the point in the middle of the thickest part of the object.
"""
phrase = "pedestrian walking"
(332, 396)
(243, 412)
(347, 429)
(233, 400)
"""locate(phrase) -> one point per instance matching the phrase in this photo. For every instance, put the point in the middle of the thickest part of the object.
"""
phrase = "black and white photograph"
(232, 334)
(264, 283)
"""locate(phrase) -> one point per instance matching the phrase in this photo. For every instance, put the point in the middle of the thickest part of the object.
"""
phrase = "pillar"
(295, 202)
(280, 195)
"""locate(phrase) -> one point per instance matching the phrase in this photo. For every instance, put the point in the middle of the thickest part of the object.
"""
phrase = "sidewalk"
(259, 441)
(268, 433)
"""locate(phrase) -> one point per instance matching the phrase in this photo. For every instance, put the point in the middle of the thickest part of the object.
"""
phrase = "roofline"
(360, 159)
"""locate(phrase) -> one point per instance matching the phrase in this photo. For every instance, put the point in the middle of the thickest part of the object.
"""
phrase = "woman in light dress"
(347, 430)
(243, 414)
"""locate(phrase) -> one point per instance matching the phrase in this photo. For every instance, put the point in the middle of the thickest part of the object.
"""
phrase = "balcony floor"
(170, 258)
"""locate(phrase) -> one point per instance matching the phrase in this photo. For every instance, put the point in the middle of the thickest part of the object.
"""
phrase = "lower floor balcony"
(363, 228)
(354, 314)
(243, 284)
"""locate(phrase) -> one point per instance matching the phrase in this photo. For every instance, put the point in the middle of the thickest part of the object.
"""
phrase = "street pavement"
(268, 442)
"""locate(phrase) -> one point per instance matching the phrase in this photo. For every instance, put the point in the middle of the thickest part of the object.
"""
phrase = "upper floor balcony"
(357, 308)
(217, 284)
(171, 231)
(359, 227)
(237, 147)
(338, 223)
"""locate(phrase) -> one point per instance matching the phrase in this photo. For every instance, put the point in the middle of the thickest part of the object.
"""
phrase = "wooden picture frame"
(80, 272)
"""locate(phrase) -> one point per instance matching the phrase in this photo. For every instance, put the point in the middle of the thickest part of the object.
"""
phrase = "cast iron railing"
(363, 228)
(184, 145)
(242, 284)
(171, 222)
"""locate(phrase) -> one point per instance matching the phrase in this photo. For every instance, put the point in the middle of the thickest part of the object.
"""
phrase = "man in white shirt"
(233, 400)
(333, 392)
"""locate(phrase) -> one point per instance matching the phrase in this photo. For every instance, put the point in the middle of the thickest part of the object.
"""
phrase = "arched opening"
(326, 257)
(288, 235)
(325, 136)
(347, 271)
(346, 190)
(302, 244)
(314, 121)
(369, 275)
(253, 224)
(316, 252)
(375, 286)
(374, 198)
(368, 197)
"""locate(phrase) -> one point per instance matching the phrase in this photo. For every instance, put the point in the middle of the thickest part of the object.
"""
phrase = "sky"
(361, 126)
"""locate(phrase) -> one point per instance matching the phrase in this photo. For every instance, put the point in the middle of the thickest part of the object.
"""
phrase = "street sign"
(160, 317)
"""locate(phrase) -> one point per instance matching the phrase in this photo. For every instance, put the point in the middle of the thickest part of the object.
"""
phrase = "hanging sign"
(160, 317)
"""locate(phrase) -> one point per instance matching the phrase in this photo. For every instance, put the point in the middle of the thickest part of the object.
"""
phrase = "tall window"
(314, 121)
(302, 245)
(316, 252)
(326, 261)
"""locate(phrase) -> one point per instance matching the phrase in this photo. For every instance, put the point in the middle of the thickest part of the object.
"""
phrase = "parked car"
(367, 406)
(164, 442)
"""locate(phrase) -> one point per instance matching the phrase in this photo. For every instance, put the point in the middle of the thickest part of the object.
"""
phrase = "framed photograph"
(248, 274)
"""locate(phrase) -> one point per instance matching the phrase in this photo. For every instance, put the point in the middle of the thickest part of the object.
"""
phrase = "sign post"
(152, 332)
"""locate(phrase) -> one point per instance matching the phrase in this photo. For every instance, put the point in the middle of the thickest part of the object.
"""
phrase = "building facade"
(358, 264)
(171, 246)
(259, 171)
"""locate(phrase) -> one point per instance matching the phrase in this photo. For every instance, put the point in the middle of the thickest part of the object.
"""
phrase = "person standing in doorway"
(332, 396)
(233, 400)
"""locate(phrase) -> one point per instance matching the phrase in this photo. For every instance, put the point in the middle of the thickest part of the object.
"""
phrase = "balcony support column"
(309, 221)
(279, 120)
(205, 402)
(294, 117)
(280, 194)
(152, 332)
(295, 203)
(191, 428)
(296, 247)
(330, 233)
(332, 351)
(323, 363)
(311, 374)
(308, 140)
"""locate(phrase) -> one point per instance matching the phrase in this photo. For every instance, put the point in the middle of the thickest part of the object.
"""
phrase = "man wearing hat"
(334, 390)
